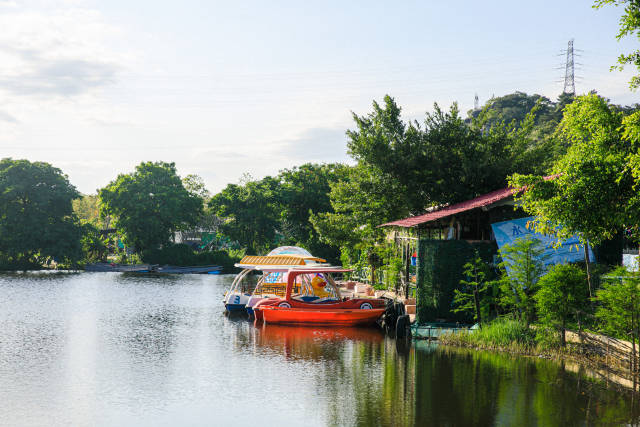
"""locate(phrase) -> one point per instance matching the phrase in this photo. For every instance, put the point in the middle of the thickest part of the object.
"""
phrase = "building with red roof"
(468, 220)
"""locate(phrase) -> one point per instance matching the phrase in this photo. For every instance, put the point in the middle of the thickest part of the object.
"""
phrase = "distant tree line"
(401, 168)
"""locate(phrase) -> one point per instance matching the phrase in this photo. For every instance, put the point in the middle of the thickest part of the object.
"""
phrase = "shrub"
(562, 298)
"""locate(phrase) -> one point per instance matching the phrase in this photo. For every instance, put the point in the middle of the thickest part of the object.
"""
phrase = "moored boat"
(196, 269)
(321, 316)
(113, 267)
(327, 308)
(273, 267)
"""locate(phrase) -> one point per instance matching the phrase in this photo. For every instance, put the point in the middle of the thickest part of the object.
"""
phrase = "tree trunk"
(586, 262)
(634, 333)
(476, 299)
(563, 337)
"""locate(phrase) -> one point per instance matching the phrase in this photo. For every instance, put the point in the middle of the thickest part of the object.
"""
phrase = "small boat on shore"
(196, 269)
(152, 268)
(119, 268)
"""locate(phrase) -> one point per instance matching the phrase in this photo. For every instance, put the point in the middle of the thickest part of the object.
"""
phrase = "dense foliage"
(149, 205)
(593, 181)
(562, 298)
(274, 211)
(37, 223)
(619, 308)
(404, 168)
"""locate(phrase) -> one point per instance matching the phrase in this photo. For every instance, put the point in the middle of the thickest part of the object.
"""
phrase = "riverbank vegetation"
(528, 310)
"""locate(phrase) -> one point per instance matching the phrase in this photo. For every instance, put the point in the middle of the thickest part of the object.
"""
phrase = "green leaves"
(524, 262)
(249, 213)
(37, 223)
(279, 210)
(593, 191)
(562, 297)
(149, 204)
(619, 308)
(472, 295)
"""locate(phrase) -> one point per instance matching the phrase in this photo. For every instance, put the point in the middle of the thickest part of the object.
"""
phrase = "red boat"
(318, 302)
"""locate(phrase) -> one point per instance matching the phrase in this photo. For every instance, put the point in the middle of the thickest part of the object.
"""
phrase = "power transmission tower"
(569, 71)
(476, 103)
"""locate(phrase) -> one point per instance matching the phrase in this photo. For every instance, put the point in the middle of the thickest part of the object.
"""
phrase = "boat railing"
(237, 280)
(277, 289)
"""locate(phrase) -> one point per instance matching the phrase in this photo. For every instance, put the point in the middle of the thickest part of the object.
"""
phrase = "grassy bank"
(501, 334)
(609, 357)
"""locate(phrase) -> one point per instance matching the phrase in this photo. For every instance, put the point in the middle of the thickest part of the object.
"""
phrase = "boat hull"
(324, 317)
(235, 301)
(235, 307)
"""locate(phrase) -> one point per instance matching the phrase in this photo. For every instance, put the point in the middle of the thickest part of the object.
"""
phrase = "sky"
(224, 88)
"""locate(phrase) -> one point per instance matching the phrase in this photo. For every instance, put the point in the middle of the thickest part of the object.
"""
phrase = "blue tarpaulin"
(571, 250)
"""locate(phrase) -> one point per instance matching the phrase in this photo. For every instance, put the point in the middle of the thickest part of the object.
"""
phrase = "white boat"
(272, 283)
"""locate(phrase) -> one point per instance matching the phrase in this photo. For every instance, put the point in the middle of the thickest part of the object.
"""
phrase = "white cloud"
(54, 52)
(6, 117)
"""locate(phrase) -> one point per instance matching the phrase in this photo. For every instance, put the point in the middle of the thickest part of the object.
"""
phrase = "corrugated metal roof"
(478, 202)
(271, 260)
(289, 259)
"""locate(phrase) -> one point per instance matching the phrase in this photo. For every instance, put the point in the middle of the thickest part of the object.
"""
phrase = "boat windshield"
(271, 284)
(315, 287)
(290, 250)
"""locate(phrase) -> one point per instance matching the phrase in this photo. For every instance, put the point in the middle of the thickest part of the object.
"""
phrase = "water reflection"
(113, 349)
(315, 344)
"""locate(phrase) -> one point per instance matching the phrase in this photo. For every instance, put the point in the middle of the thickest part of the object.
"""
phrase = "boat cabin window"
(272, 284)
(315, 288)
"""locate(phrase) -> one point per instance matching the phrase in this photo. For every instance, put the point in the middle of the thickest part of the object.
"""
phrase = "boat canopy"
(252, 261)
(289, 250)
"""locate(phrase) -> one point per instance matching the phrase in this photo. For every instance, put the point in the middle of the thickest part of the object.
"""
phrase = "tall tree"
(442, 160)
(523, 265)
(249, 213)
(561, 298)
(361, 200)
(593, 184)
(629, 26)
(149, 204)
(37, 223)
(404, 168)
(304, 191)
(619, 309)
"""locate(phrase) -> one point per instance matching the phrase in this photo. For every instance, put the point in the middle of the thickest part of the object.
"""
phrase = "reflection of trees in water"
(373, 385)
(364, 378)
(461, 387)
(376, 384)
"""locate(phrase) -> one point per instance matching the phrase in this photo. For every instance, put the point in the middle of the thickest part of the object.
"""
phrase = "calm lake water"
(116, 350)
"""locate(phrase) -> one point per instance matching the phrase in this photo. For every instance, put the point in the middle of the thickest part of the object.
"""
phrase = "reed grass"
(501, 334)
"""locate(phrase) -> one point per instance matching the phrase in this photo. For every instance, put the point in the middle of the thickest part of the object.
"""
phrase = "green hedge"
(182, 255)
(440, 267)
